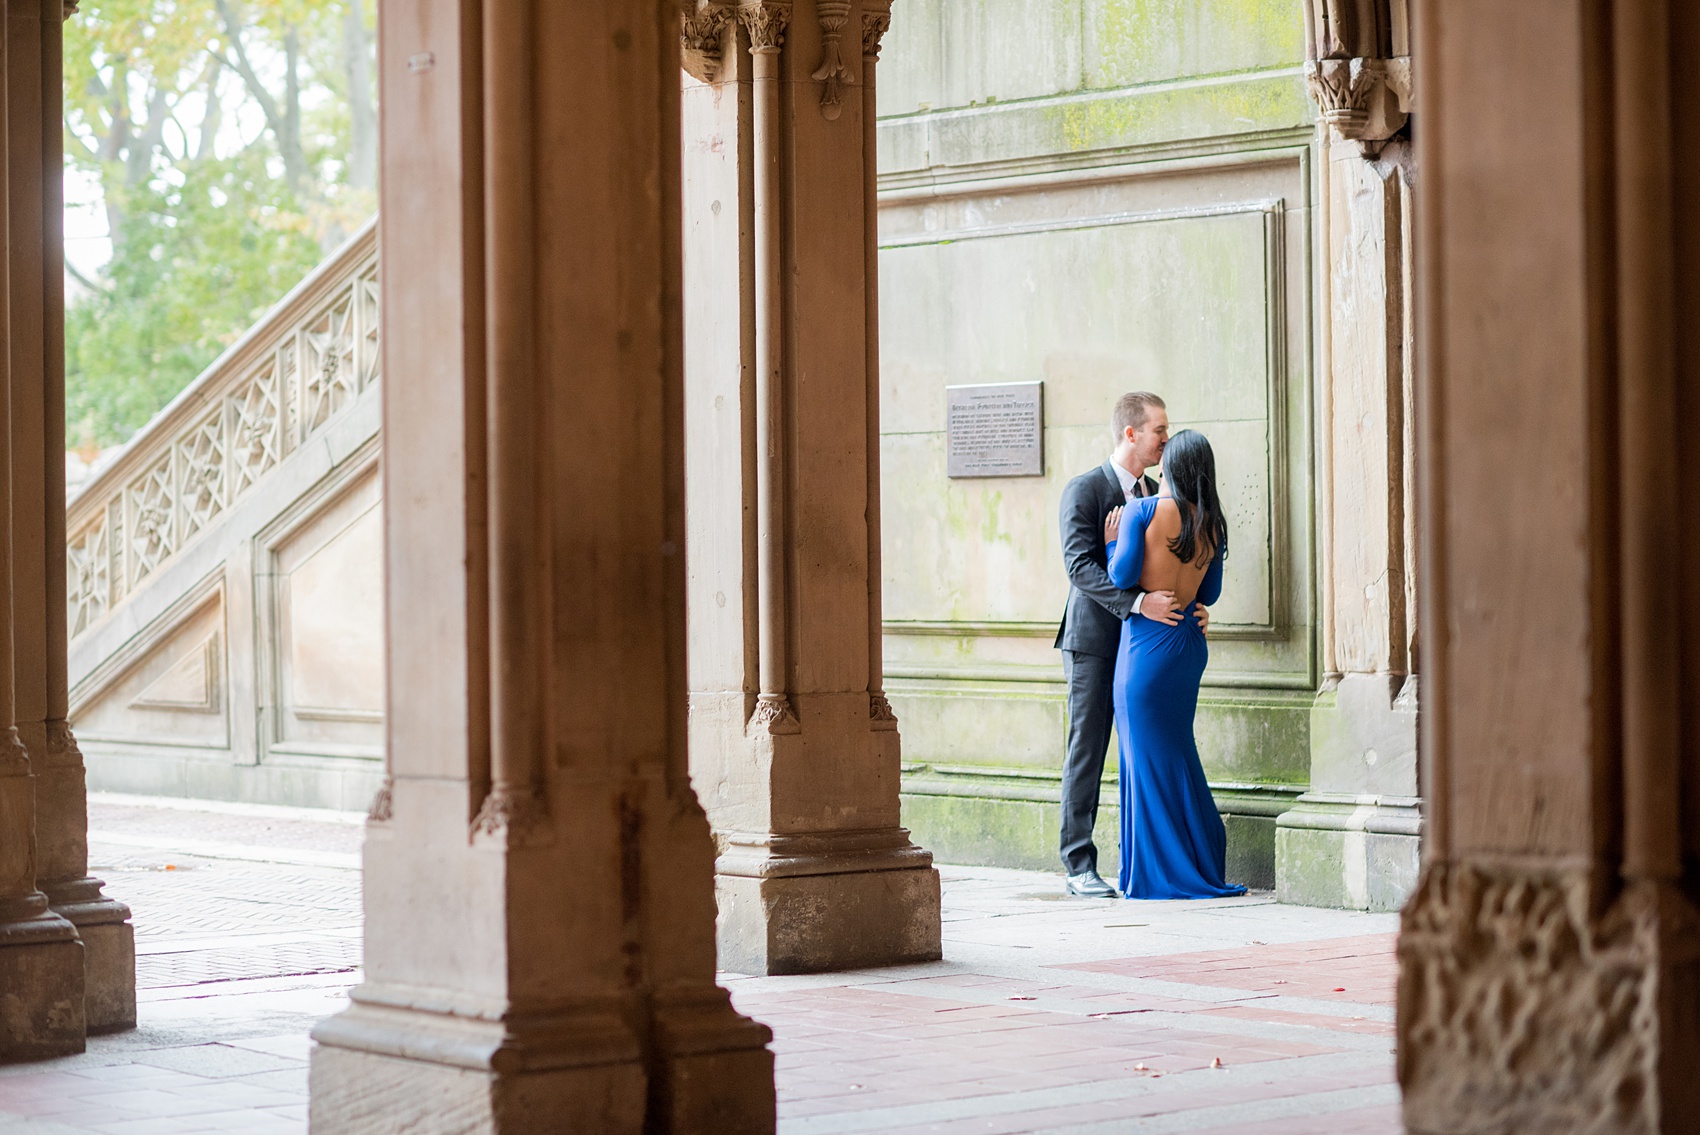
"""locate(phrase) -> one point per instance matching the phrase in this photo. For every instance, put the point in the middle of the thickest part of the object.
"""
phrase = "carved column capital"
(69, 9)
(766, 24)
(875, 23)
(700, 45)
(775, 715)
(515, 816)
(1362, 100)
(62, 747)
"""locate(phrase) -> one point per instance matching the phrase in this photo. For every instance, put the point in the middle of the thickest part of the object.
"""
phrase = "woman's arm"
(1127, 555)
(1210, 587)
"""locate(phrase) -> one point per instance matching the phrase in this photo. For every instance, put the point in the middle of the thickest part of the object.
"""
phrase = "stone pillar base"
(357, 1093)
(1351, 841)
(386, 1068)
(109, 953)
(109, 957)
(1353, 853)
(41, 989)
(1522, 1009)
(716, 1069)
(382, 1066)
(819, 923)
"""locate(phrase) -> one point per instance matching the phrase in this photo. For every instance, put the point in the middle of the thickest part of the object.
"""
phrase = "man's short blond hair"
(1133, 409)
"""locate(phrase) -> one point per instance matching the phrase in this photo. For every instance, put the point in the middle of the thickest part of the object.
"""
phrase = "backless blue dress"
(1173, 843)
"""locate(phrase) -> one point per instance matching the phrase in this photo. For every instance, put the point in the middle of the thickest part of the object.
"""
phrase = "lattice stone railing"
(263, 399)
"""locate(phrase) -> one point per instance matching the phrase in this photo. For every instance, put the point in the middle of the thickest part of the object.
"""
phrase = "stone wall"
(1105, 196)
(226, 569)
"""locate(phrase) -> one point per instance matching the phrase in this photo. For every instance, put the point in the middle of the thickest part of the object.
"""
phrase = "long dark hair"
(1189, 469)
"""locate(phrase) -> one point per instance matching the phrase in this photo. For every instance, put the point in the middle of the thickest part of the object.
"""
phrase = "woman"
(1173, 843)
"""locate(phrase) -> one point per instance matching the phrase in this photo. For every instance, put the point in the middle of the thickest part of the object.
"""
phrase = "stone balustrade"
(260, 402)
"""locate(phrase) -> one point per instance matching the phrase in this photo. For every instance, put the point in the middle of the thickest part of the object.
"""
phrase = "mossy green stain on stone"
(1198, 111)
(1142, 41)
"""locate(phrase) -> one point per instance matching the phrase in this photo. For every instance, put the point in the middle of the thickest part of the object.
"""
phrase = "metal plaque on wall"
(996, 430)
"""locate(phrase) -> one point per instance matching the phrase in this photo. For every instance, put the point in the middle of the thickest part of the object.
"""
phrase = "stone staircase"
(225, 582)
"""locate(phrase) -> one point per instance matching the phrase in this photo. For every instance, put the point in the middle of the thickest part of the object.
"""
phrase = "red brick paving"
(1342, 969)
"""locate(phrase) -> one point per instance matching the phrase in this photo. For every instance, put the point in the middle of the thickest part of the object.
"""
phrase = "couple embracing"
(1144, 564)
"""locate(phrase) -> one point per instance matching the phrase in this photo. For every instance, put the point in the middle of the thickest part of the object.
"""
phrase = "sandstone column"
(1550, 959)
(794, 746)
(539, 903)
(35, 140)
(41, 958)
(1351, 840)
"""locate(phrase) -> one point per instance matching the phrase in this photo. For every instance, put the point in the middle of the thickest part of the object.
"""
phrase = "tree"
(234, 143)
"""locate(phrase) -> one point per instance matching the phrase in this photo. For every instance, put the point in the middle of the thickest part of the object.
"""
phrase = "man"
(1090, 634)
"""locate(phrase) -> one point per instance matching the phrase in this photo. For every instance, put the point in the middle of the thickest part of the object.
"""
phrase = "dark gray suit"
(1089, 637)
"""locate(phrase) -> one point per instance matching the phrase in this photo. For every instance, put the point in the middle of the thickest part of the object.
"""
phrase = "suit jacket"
(1092, 621)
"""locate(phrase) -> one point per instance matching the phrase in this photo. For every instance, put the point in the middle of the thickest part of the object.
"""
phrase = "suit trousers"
(1091, 712)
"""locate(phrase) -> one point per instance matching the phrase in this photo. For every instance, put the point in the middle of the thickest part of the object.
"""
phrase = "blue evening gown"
(1173, 843)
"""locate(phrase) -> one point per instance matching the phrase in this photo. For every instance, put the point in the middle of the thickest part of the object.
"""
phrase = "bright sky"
(87, 243)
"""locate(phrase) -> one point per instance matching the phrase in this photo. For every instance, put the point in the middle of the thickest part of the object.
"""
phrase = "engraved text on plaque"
(995, 431)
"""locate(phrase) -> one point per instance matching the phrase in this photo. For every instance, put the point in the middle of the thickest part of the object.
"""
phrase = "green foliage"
(234, 145)
(195, 267)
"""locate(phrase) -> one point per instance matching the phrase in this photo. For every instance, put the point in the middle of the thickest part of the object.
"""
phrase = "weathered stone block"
(1350, 869)
(357, 1093)
(1310, 867)
(727, 1093)
(1251, 851)
(41, 998)
(985, 831)
(991, 831)
(820, 923)
(109, 995)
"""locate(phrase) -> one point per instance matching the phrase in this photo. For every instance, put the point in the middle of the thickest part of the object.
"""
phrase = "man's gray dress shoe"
(1089, 885)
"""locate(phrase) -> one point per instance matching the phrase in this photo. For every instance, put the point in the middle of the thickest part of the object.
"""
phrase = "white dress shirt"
(1132, 487)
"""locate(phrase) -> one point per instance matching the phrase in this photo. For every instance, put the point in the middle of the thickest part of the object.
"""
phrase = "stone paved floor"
(1049, 1014)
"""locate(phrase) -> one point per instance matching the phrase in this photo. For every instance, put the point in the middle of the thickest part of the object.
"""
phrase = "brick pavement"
(1048, 1015)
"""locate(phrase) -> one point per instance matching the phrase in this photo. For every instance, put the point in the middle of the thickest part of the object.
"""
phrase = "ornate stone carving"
(331, 375)
(833, 15)
(700, 42)
(1399, 81)
(765, 24)
(509, 815)
(1342, 89)
(371, 328)
(88, 571)
(14, 758)
(774, 714)
(235, 424)
(382, 810)
(1356, 100)
(874, 27)
(151, 511)
(880, 711)
(201, 474)
(1522, 1010)
(62, 747)
(255, 435)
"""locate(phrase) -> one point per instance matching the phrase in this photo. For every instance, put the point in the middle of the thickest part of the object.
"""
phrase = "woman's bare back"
(1164, 570)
